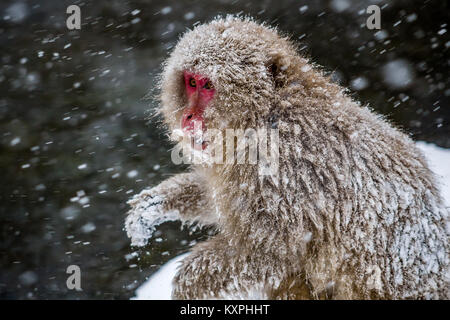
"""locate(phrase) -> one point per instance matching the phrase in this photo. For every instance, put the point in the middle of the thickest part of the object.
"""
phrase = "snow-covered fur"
(355, 212)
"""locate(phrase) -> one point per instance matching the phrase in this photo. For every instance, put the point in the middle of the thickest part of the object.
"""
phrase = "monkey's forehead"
(223, 47)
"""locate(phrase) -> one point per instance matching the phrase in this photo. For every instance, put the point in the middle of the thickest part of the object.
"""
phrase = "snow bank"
(159, 285)
(439, 161)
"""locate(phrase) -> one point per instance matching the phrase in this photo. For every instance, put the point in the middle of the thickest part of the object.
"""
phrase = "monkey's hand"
(147, 212)
(181, 197)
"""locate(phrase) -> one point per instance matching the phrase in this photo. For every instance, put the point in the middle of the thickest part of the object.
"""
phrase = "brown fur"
(355, 213)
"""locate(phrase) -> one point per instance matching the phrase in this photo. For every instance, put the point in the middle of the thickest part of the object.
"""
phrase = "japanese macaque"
(353, 211)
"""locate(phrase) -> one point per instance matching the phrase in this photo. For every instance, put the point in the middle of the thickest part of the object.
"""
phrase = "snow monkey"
(354, 211)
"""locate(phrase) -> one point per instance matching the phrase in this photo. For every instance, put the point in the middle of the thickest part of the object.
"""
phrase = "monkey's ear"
(276, 70)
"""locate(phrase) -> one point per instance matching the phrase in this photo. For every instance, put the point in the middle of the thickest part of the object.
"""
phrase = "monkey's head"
(225, 74)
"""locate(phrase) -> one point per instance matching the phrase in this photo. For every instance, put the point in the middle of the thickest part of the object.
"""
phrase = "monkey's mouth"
(194, 128)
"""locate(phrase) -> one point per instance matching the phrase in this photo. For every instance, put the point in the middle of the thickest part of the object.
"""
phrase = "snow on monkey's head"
(225, 74)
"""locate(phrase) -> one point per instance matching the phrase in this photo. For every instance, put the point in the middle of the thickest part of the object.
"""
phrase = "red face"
(199, 92)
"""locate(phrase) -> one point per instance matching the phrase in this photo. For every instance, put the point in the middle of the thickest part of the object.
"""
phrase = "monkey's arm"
(217, 270)
(181, 197)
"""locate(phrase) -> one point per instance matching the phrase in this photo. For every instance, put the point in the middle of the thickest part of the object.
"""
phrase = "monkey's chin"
(200, 146)
(196, 139)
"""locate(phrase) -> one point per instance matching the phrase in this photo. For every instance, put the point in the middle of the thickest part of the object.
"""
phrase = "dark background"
(75, 141)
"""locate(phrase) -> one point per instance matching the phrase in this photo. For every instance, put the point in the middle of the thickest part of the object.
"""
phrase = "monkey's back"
(368, 199)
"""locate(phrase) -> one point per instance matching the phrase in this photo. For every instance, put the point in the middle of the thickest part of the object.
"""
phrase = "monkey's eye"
(208, 85)
(192, 82)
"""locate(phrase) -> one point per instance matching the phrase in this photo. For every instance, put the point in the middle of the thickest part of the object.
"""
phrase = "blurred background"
(76, 142)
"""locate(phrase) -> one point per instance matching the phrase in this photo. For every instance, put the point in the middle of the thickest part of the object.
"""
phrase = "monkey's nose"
(192, 121)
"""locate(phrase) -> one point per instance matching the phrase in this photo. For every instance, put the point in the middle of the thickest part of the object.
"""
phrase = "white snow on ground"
(439, 161)
(159, 285)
